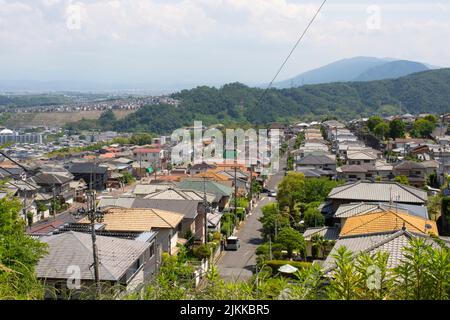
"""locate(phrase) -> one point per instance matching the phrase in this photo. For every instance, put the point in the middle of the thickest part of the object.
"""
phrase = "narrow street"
(239, 265)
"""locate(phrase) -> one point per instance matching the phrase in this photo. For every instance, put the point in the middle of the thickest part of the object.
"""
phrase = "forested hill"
(424, 92)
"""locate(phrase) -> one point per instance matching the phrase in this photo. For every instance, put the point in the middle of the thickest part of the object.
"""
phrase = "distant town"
(371, 185)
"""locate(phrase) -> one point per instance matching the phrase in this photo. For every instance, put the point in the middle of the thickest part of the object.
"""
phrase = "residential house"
(151, 155)
(94, 175)
(393, 243)
(193, 211)
(223, 193)
(361, 157)
(431, 166)
(55, 185)
(366, 171)
(323, 162)
(387, 221)
(326, 233)
(142, 190)
(363, 191)
(360, 208)
(200, 167)
(414, 171)
(167, 224)
(124, 263)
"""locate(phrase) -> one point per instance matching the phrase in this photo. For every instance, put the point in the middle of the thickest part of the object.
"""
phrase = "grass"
(55, 118)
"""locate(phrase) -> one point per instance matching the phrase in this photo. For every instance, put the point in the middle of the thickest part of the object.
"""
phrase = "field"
(54, 119)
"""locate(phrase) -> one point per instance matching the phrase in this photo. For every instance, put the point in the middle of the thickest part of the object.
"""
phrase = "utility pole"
(54, 201)
(235, 188)
(251, 183)
(94, 216)
(205, 205)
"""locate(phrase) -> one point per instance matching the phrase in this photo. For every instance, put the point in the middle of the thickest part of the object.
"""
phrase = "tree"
(422, 128)
(433, 180)
(272, 221)
(317, 189)
(402, 179)
(397, 129)
(381, 130)
(19, 254)
(291, 190)
(141, 139)
(291, 240)
(313, 218)
(107, 120)
(256, 188)
(346, 279)
(127, 178)
(373, 122)
(432, 118)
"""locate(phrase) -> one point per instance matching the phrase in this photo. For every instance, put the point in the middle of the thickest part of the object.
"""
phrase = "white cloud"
(244, 39)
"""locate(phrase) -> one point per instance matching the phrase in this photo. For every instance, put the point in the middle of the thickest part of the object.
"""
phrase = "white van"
(232, 243)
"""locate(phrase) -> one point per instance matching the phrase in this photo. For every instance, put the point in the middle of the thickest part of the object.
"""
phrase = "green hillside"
(424, 92)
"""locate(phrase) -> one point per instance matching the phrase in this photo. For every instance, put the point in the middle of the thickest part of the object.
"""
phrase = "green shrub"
(226, 229)
(276, 264)
(240, 213)
(217, 236)
(202, 251)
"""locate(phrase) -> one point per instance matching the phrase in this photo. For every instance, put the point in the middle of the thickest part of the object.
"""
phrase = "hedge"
(276, 264)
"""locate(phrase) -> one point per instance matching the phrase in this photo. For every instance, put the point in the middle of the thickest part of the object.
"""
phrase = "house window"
(366, 161)
(352, 176)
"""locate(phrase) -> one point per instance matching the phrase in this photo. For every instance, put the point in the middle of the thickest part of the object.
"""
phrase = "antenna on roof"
(404, 226)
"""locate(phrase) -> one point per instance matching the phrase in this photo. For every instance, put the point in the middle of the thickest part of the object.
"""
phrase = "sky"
(178, 42)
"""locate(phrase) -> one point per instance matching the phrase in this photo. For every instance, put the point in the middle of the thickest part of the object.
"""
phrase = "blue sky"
(168, 42)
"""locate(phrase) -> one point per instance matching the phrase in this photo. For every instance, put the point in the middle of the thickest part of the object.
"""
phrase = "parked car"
(272, 194)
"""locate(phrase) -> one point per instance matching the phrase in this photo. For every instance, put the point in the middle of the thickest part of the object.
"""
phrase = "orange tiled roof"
(140, 220)
(171, 177)
(377, 222)
(108, 155)
(212, 175)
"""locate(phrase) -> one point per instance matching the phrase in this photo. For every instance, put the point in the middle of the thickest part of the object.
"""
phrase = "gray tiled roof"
(392, 242)
(121, 202)
(312, 172)
(145, 189)
(409, 165)
(75, 249)
(313, 160)
(329, 233)
(354, 209)
(378, 191)
(188, 208)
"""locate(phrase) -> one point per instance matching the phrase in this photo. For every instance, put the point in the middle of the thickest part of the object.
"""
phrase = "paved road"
(240, 264)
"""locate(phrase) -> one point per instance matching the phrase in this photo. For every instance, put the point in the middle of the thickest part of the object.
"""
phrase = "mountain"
(237, 104)
(355, 69)
(342, 70)
(390, 70)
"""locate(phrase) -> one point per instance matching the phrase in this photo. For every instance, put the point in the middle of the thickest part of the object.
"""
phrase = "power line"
(291, 52)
